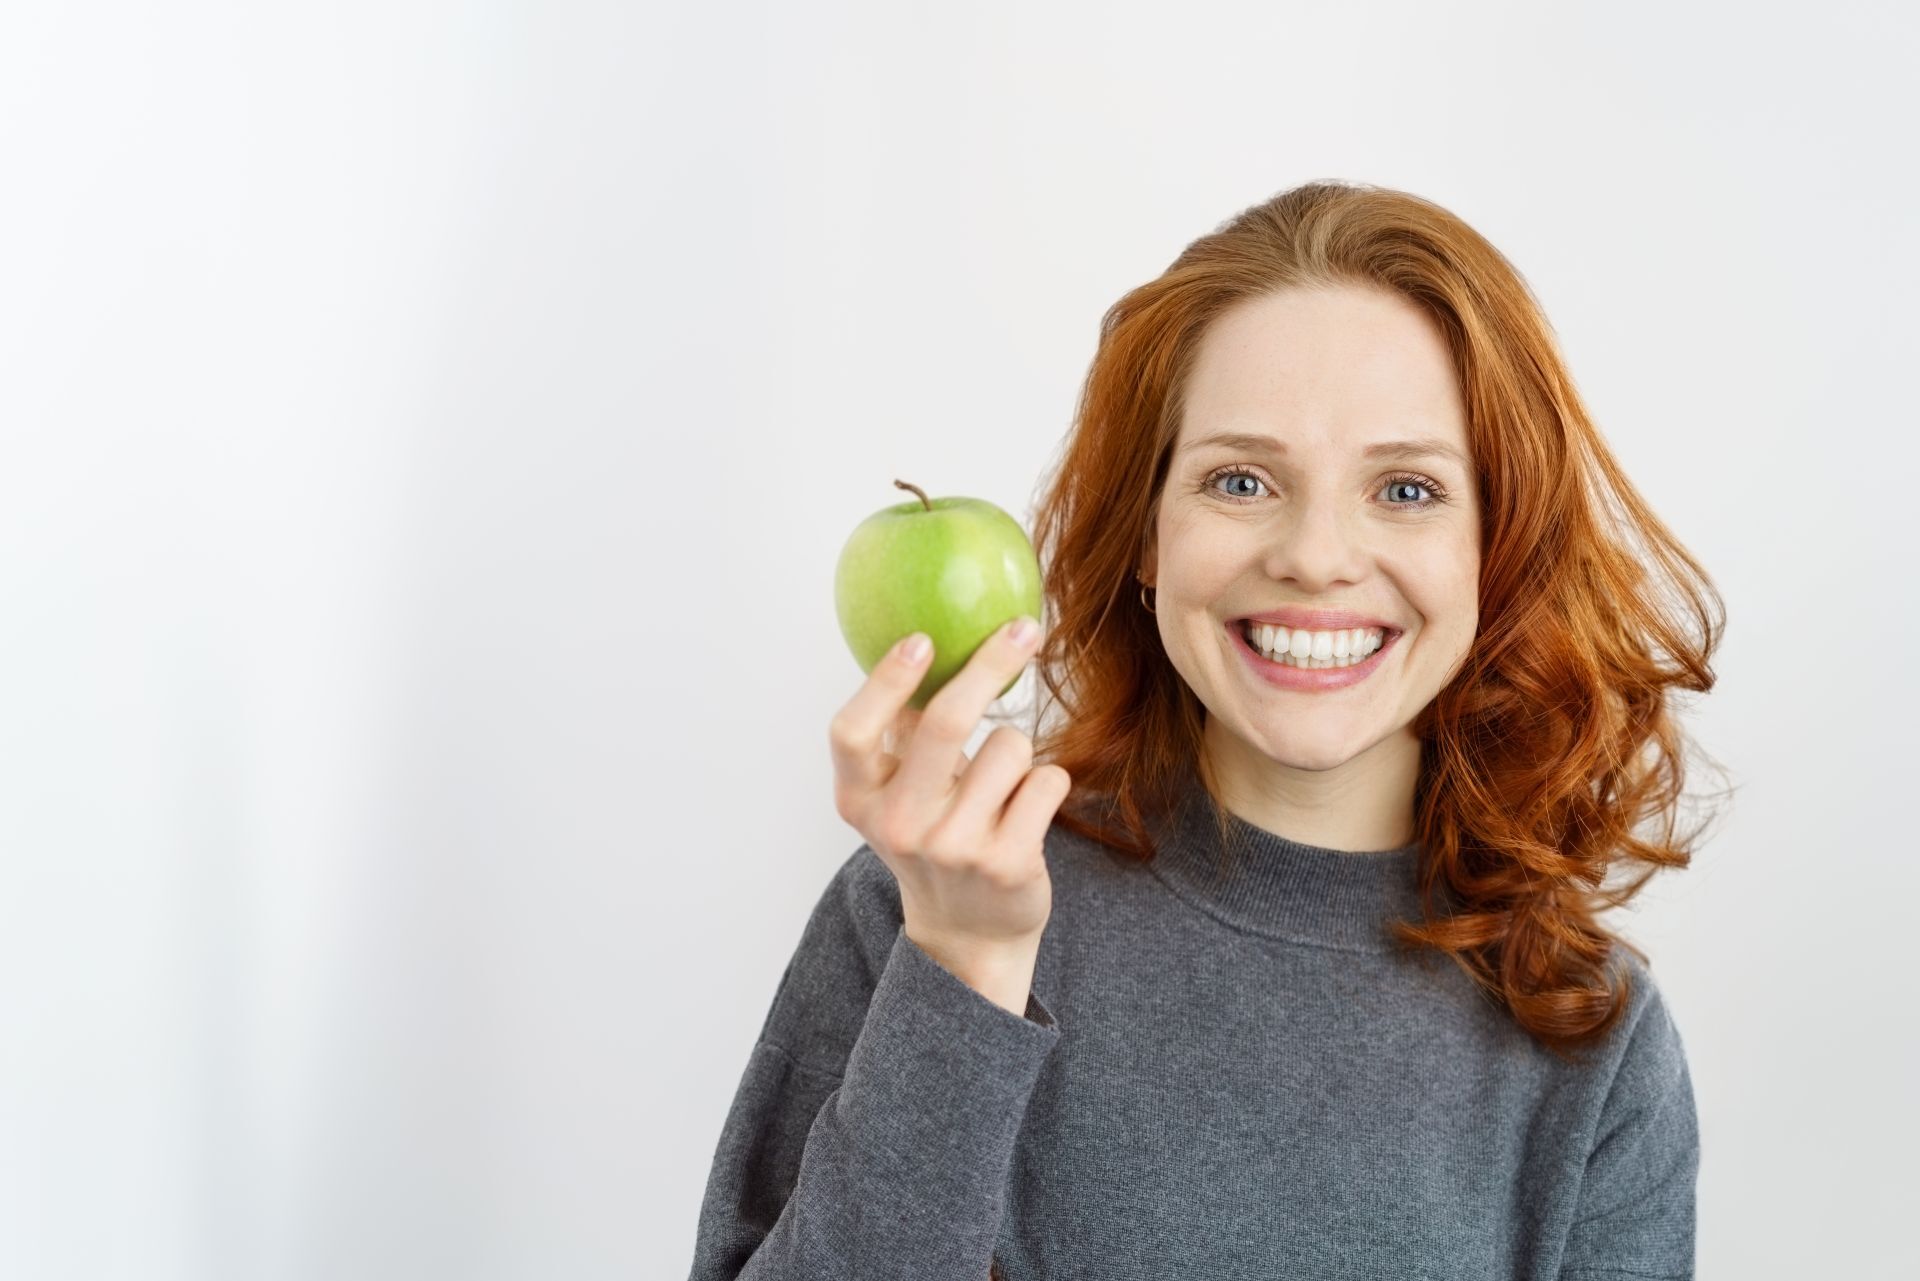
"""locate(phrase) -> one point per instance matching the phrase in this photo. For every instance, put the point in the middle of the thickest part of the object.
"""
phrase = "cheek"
(1448, 603)
(1452, 610)
(1448, 582)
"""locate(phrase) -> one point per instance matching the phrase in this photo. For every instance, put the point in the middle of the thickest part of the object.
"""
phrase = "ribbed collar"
(1281, 888)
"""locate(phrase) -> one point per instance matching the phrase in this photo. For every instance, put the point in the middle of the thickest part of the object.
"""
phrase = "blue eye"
(1409, 483)
(1400, 479)
(1244, 475)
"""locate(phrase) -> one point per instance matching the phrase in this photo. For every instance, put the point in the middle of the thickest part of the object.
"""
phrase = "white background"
(427, 433)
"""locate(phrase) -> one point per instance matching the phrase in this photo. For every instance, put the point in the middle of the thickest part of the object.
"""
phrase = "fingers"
(877, 738)
(898, 735)
(858, 731)
(1030, 813)
(894, 742)
(926, 772)
(994, 772)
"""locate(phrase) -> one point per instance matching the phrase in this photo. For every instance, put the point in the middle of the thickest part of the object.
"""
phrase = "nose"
(1320, 547)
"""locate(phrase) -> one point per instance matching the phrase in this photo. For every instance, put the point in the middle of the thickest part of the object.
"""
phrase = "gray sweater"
(1217, 1076)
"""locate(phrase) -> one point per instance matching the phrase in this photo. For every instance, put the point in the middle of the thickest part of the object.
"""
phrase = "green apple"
(957, 569)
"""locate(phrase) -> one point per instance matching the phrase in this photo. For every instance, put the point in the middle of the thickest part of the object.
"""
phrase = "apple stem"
(916, 489)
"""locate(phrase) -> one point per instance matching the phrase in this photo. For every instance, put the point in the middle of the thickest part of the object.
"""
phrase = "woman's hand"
(963, 837)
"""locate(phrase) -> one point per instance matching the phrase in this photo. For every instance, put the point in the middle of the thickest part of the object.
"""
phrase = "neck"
(1264, 883)
(1365, 803)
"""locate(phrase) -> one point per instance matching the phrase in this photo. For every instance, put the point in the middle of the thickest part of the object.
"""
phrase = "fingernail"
(1024, 631)
(914, 648)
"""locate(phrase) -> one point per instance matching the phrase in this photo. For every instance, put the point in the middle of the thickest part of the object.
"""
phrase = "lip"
(1313, 680)
(1317, 620)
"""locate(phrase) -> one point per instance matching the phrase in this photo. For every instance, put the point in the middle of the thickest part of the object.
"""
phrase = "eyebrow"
(1418, 447)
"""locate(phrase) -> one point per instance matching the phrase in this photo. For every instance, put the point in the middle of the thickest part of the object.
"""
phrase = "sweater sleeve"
(1636, 1209)
(873, 1129)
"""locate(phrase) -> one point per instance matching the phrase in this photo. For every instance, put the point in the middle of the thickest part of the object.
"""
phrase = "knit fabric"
(1226, 1069)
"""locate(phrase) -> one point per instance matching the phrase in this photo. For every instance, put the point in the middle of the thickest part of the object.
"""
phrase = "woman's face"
(1311, 519)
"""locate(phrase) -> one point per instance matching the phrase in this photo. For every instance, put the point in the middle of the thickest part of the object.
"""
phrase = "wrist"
(1003, 973)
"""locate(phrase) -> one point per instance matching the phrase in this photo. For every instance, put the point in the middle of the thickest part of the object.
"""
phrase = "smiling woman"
(1347, 398)
(1362, 651)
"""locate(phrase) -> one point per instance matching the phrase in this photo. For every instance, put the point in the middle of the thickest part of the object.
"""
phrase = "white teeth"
(1301, 648)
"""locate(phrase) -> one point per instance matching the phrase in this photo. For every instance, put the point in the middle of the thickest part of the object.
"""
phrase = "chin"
(1318, 752)
(1318, 756)
(1315, 764)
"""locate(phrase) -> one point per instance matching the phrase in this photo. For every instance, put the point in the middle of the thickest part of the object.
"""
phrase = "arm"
(1635, 1216)
(873, 1128)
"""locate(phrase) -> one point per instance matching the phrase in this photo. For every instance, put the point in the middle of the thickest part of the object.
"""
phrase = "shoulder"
(858, 912)
(821, 999)
(1648, 1058)
(1637, 1186)
(1649, 1018)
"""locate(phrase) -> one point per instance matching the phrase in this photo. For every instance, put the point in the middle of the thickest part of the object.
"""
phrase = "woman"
(1169, 1002)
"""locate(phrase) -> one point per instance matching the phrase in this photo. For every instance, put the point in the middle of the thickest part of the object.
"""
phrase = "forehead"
(1352, 366)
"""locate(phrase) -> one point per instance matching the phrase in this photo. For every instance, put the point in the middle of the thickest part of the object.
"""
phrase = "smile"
(1312, 661)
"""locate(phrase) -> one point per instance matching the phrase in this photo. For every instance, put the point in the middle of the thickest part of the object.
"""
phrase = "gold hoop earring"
(1143, 600)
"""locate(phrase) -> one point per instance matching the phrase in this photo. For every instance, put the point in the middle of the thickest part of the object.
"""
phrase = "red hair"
(1555, 741)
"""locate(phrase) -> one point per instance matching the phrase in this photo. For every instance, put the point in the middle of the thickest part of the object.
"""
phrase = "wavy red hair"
(1555, 745)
